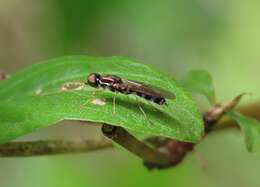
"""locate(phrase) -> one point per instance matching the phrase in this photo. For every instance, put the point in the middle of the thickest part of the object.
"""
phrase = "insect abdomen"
(155, 99)
(159, 100)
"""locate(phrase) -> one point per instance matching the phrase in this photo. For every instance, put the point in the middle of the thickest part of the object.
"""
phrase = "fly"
(117, 84)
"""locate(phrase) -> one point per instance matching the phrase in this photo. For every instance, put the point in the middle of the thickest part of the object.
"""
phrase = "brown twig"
(214, 114)
(50, 147)
(132, 144)
(251, 110)
(177, 150)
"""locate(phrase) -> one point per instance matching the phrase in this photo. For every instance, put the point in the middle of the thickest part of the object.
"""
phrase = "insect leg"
(114, 104)
(143, 112)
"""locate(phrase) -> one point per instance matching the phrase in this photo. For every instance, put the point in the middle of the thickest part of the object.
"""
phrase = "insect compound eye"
(93, 79)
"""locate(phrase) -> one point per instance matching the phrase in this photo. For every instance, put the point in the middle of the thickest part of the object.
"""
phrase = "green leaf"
(251, 129)
(200, 81)
(52, 91)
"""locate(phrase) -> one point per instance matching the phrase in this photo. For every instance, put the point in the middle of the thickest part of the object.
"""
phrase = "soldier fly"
(117, 84)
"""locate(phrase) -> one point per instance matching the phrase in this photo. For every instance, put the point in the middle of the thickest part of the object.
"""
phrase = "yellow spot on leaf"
(39, 91)
(72, 86)
(98, 102)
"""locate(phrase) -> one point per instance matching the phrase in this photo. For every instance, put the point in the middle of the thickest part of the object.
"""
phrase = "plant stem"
(50, 147)
(251, 110)
(177, 150)
(132, 144)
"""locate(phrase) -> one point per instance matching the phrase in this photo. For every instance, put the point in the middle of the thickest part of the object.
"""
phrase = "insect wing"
(148, 89)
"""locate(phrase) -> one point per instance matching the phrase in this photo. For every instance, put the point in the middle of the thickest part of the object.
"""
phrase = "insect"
(117, 84)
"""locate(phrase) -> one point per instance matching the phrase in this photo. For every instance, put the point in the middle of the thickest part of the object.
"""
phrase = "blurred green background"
(174, 36)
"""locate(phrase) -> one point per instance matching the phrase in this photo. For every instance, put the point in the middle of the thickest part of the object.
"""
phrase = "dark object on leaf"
(116, 84)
